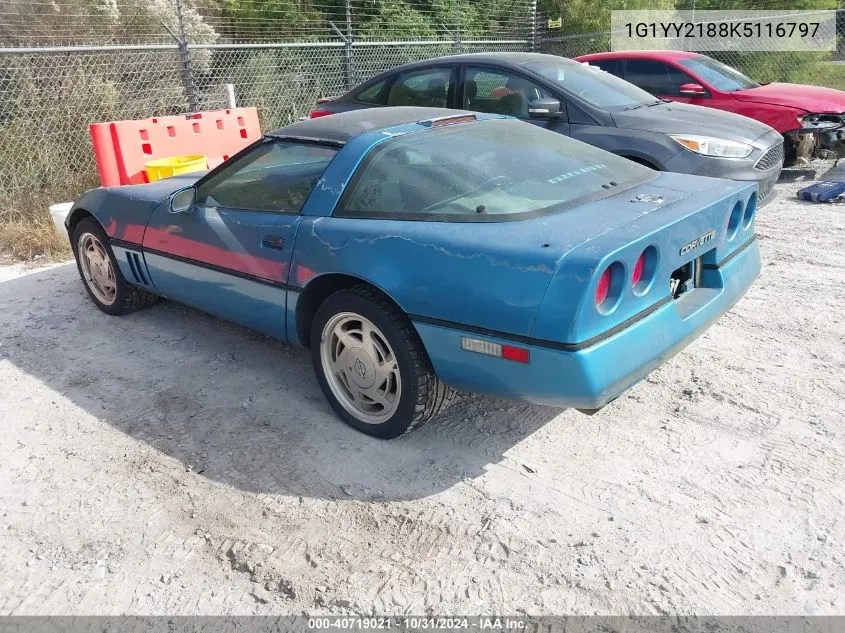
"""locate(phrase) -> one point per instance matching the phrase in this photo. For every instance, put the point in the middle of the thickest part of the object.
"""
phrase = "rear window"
(427, 88)
(372, 95)
(485, 171)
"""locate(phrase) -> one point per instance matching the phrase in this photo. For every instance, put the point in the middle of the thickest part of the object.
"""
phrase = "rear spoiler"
(323, 100)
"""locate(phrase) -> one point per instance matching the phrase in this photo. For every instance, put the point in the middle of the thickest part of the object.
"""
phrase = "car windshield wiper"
(634, 107)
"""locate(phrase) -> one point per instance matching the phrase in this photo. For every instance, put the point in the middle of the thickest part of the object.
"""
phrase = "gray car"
(586, 103)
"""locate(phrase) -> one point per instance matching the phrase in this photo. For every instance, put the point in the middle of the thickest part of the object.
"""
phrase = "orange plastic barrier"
(122, 148)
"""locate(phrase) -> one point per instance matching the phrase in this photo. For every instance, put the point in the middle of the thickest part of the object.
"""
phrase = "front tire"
(371, 364)
(100, 273)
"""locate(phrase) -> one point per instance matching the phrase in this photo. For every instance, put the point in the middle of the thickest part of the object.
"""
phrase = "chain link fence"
(67, 63)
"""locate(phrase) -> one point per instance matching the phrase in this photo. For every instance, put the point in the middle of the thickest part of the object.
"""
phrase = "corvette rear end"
(621, 302)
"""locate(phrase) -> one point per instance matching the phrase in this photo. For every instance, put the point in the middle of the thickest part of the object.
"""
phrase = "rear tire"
(100, 273)
(371, 364)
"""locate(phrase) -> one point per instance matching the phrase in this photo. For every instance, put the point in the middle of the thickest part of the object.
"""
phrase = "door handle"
(273, 241)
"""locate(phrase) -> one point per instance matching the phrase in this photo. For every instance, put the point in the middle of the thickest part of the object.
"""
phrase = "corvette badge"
(699, 241)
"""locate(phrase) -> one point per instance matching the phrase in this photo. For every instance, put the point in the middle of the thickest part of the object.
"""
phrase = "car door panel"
(219, 261)
(229, 254)
(254, 304)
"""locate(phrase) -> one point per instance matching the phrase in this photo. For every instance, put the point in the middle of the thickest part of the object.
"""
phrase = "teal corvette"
(417, 250)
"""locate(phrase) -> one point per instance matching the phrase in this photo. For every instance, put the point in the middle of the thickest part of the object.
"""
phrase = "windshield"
(717, 74)
(484, 171)
(592, 84)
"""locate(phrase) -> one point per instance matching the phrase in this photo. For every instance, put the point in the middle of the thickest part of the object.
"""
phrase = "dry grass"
(35, 238)
(27, 231)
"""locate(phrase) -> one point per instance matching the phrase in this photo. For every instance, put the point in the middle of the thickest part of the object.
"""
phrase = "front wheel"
(371, 365)
(101, 274)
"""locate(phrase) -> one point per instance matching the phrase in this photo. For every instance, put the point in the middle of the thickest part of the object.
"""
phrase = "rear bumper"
(590, 377)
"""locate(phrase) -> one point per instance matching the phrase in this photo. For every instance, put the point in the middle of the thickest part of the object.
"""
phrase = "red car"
(810, 118)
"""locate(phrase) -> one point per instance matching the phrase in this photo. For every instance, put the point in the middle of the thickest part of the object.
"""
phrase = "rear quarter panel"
(484, 275)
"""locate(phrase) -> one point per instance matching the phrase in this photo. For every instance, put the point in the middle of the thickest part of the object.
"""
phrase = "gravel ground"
(169, 462)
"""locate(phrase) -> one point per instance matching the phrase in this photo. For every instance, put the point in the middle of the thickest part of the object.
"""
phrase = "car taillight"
(750, 209)
(519, 354)
(609, 287)
(734, 220)
(639, 267)
(644, 271)
(316, 114)
(603, 287)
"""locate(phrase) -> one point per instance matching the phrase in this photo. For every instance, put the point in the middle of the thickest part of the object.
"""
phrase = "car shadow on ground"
(235, 406)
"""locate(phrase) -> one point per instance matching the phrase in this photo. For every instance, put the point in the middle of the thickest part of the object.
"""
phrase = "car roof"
(342, 127)
(506, 58)
(639, 55)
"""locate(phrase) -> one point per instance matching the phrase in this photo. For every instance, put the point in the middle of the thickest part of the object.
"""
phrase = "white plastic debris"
(59, 212)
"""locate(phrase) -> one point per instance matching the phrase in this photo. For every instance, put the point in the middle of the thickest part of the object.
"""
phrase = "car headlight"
(711, 146)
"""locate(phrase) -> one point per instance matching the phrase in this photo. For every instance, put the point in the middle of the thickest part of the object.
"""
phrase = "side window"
(372, 95)
(499, 92)
(657, 78)
(276, 176)
(428, 88)
(608, 65)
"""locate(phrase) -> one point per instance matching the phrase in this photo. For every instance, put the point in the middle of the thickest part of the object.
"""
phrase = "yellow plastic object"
(166, 167)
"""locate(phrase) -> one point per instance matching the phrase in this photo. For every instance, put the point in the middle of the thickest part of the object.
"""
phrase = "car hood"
(124, 211)
(681, 118)
(158, 190)
(808, 98)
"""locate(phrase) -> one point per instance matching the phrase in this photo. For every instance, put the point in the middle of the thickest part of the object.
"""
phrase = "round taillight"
(609, 288)
(642, 277)
(750, 209)
(603, 287)
(639, 267)
(734, 220)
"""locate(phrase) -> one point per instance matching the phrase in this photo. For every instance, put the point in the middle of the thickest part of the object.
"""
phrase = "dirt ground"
(169, 462)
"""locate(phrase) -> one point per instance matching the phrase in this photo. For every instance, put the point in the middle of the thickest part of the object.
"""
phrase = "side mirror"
(693, 90)
(183, 201)
(544, 108)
